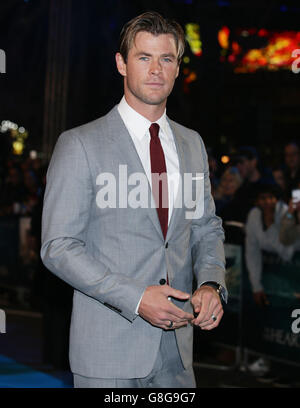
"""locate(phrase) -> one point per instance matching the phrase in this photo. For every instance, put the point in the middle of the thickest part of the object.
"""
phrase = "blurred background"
(239, 88)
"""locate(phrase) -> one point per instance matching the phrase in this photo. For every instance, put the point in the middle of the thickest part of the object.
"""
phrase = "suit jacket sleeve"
(207, 237)
(68, 198)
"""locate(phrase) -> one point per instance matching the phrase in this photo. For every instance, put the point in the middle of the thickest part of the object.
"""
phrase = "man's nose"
(155, 67)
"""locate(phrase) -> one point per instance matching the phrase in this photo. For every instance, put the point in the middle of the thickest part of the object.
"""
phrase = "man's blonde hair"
(155, 24)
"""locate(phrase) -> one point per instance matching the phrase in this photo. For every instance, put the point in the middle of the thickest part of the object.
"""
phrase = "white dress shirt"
(138, 128)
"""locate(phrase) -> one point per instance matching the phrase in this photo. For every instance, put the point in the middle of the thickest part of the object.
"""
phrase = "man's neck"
(150, 112)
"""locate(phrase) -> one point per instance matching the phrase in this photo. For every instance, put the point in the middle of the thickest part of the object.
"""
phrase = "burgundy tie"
(159, 186)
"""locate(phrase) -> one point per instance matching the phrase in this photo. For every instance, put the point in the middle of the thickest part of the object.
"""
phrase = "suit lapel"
(119, 134)
(178, 205)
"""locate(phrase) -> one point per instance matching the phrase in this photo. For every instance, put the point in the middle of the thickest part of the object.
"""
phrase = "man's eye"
(144, 58)
(167, 60)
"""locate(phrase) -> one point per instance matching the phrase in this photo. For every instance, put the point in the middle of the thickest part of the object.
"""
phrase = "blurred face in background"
(229, 184)
(279, 178)
(267, 202)
(246, 167)
(292, 156)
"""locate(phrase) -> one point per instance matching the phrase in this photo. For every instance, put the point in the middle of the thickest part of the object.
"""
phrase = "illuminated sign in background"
(245, 50)
(275, 52)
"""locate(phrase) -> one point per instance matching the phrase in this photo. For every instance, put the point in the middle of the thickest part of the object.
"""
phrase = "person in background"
(213, 170)
(13, 192)
(292, 166)
(247, 162)
(278, 175)
(230, 181)
(290, 224)
(262, 233)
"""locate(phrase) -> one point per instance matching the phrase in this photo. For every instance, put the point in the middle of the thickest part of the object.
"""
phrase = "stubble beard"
(142, 97)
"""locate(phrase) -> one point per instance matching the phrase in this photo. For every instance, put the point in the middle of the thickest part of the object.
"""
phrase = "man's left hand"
(207, 303)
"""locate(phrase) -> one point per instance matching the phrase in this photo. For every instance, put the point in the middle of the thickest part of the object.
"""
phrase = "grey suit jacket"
(110, 255)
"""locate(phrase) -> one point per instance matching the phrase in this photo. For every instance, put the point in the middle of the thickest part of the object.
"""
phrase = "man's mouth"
(155, 84)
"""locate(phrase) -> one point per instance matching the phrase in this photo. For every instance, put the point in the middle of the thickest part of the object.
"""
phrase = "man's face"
(229, 184)
(151, 69)
(292, 156)
(266, 201)
(245, 167)
(279, 178)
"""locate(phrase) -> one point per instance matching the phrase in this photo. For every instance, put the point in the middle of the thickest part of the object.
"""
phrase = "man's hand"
(260, 298)
(207, 303)
(294, 207)
(159, 311)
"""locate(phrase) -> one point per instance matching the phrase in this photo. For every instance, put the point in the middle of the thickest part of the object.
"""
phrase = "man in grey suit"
(132, 261)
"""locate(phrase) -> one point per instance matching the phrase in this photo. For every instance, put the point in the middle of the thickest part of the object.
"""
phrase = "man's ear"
(120, 64)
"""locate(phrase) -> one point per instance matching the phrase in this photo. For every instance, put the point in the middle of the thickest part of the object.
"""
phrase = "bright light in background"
(225, 159)
(18, 147)
(17, 133)
(33, 154)
(193, 38)
(190, 76)
(8, 125)
(275, 54)
(223, 37)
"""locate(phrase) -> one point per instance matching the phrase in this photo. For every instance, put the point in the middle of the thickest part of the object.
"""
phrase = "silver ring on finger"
(170, 325)
(214, 318)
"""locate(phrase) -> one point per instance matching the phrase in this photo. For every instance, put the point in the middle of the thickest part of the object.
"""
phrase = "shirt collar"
(136, 123)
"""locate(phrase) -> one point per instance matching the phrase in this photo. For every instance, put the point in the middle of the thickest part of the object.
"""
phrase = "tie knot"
(154, 130)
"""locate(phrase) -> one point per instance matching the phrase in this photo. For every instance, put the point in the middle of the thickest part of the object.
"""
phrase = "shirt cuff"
(138, 305)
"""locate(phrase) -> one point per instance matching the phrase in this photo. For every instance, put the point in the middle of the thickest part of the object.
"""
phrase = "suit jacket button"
(162, 282)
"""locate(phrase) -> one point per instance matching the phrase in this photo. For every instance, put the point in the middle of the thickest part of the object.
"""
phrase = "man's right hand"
(159, 311)
(294, 207)
(260, 299)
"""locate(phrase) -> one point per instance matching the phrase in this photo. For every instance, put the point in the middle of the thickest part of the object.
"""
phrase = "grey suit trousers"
(167, 372)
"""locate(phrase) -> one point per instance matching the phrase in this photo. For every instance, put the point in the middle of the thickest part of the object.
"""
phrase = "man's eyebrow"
(171, 55)
(143, 53)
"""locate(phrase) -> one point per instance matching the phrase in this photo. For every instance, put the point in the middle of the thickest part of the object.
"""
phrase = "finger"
(211, 323)
(196, 303)
(170, 312)
(181, 317)
(217, 314)
(177, 314)
(201, 302)
(215, 323)
(175, 293)
(175, 325)
(214, 309)
(208, 306)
